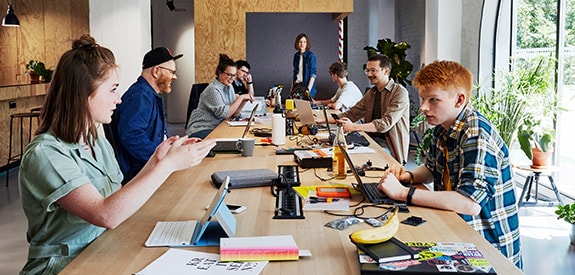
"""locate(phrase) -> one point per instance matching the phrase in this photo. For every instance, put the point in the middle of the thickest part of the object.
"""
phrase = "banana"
(379, 234)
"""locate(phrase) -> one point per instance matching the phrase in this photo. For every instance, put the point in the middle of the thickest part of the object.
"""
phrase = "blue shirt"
(480, 170)
(309, 69)
(138, 126)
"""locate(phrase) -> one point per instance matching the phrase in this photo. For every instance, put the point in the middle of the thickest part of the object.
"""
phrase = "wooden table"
(186, 193)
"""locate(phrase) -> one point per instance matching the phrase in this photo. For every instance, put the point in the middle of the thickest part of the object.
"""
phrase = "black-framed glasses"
(230, 75)
(168, 69)
(245, 71)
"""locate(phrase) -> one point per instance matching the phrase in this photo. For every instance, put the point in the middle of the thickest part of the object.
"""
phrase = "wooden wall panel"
(57, 19)
(31, 45)
(46, 30)
(223, 30)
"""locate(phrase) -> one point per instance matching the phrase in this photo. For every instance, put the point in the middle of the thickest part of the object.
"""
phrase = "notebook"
(370, 190)
(229, 144)
(217, 222)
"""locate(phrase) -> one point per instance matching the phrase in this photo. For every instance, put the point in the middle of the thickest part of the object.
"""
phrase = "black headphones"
(261, 132)
(308, 129)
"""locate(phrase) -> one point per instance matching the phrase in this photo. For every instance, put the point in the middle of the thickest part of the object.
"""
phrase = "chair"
(16, 158)
(197, 89)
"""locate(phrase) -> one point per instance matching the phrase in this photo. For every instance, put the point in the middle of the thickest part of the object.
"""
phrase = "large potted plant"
(400, 67)
(522, 101)
(567, 213)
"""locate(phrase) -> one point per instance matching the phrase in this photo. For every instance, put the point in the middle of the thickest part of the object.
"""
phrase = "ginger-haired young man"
(467, 161)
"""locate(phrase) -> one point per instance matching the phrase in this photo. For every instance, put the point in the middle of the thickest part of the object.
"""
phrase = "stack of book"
(429, 258)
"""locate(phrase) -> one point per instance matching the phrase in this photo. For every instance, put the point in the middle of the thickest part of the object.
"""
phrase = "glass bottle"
(338, 159)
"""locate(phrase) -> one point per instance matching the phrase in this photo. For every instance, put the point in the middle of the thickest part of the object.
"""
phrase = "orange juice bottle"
(338, 159)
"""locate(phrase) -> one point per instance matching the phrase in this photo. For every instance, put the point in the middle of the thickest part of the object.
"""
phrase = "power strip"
(288, 205)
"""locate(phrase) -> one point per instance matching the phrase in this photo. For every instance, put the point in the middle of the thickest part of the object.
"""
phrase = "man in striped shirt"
(467, 161)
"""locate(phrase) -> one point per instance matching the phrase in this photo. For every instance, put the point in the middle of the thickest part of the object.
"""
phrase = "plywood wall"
(47, 28)
(220, 26)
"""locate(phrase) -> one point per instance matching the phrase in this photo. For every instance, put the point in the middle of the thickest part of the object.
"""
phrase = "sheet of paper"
(179, 261)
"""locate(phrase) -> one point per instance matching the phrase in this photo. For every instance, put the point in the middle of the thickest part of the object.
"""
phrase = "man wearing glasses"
(139, 124)
(384, 108)
(218, 101)
(243, 83)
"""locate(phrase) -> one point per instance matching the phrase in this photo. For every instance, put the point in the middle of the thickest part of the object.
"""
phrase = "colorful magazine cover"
(434, 258)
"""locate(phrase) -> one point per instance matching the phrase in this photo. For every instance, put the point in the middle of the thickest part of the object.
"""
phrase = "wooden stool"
(533, 179)
(18, 157)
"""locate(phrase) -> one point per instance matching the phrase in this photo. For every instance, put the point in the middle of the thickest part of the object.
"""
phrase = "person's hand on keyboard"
(391, 186)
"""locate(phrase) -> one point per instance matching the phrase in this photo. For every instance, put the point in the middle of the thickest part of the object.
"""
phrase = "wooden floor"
(545, 240)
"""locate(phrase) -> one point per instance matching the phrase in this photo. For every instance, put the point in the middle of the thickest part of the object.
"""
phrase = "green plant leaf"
(525, 143)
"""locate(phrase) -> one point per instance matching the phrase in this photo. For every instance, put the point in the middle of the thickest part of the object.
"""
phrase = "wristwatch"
(410, 195)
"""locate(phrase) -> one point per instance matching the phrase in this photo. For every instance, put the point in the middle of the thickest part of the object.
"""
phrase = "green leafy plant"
(37, 67)
(400, 67)
(566, 212)
(523, 102)
(423, 145)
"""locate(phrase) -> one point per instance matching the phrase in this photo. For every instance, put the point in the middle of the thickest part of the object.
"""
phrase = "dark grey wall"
(270, 48)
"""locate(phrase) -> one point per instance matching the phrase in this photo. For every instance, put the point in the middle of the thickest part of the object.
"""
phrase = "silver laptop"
(229, 144)
(304, 111)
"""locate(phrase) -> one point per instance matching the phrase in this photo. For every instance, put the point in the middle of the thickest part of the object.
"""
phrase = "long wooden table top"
(186, 193)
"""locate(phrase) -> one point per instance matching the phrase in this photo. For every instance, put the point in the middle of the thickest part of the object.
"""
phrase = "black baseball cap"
(158, 56)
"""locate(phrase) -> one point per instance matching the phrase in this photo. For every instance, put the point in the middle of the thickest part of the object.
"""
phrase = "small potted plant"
(537, 143)
(35, 70)
(567, 213)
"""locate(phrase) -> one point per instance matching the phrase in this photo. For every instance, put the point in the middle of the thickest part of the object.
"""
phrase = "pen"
(317, 200)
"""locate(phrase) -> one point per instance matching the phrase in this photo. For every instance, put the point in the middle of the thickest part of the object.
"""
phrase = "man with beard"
(384, 108)
(139, 123)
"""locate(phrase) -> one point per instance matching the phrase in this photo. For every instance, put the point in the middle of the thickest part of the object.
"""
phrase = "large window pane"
(566, 131)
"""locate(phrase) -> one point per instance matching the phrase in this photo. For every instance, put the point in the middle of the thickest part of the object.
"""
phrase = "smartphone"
(234, 208)
(335, 116)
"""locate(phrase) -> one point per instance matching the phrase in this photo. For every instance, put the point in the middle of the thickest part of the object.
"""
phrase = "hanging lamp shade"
(10, 20)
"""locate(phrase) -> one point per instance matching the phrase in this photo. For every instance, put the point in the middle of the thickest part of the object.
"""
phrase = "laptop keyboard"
(171, 233)
(375, 196)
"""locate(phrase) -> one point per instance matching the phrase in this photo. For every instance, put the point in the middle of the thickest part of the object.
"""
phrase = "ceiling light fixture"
(170, 5)
(10, 20)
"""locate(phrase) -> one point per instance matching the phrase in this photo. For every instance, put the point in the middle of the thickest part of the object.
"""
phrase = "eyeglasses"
(169, 70)
(245, 71)
(230, 75)
(372, 70)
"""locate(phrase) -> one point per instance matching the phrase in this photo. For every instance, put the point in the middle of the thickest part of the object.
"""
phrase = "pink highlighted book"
(264, 248)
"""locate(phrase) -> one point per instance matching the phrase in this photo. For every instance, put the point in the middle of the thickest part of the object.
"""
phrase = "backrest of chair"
(197, 89)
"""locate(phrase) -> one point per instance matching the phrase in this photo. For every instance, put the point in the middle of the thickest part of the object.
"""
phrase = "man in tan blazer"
(384, 109)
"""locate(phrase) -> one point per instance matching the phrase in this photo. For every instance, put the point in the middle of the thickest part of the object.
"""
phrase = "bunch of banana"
(378, 234)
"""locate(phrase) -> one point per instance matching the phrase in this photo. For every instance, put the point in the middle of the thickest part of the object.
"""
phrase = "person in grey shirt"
(218, 101)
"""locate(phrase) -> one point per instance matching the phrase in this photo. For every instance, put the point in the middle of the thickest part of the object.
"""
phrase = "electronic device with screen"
(370, 190)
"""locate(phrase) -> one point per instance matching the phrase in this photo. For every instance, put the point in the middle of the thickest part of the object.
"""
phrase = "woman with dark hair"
(304, 66)
(70, 181)
(218, 101)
